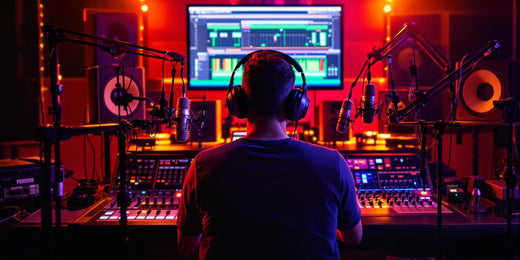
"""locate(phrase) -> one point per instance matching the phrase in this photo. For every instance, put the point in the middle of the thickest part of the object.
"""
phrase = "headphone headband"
(286, 57)
(297, 100)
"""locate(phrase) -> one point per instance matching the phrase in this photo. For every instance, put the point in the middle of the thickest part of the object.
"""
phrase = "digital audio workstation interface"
(220, 36)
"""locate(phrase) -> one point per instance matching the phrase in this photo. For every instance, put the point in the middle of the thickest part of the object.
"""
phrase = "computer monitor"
(220, 35)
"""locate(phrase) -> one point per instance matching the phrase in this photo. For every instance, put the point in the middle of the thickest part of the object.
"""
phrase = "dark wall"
(19, 74)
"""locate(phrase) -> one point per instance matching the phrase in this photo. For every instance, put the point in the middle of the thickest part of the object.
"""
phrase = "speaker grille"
(102, 89)
(117, 26)
(491, 80)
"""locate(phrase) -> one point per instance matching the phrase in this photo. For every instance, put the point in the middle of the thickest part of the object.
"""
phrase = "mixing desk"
(398, 207)
(388, 183)
(391, 184)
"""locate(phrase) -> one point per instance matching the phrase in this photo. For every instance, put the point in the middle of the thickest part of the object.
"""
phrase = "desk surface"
(463, 235)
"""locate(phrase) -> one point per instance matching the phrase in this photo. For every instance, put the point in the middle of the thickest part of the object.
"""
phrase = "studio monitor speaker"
(117, 26)
(491, 80)
(328, 118)
(102, 84)
(205, 121)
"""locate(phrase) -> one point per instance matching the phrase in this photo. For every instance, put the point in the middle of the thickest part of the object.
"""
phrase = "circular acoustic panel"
(479, 90)
(110, 94)
(406, 56)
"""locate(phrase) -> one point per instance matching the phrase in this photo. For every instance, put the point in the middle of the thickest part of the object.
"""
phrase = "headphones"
(297, 101)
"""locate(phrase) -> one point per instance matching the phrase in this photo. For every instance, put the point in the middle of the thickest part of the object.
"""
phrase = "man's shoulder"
(219, 149)
(316, 147)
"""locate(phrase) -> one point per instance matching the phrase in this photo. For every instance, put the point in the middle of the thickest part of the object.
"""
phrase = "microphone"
(203, 117)
(368, 103)
(163, 104)
(175, 56)
(182, 114)
(344, 116)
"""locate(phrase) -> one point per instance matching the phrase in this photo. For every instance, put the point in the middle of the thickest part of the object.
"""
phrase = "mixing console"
(388, 183)
(391, 184)
(154, 183)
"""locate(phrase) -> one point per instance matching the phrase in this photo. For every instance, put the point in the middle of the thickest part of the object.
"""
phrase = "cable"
(450, 146)
(182, 80)
(295, 131)
(414, 82)
(18, 214)
(94, 172)
(85, 170)
(102, 155)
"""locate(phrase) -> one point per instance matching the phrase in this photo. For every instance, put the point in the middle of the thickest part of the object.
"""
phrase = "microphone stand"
(394, 97)
(511, 108)
(439, 126)
(122, 199)
(409, 30)
(54, 134)
(49, 136)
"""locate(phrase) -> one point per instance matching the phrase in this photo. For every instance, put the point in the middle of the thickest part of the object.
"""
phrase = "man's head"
(267, 80)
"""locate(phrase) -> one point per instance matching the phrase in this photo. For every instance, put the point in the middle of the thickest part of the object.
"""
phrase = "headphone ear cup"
(296, 105)
(236, 101)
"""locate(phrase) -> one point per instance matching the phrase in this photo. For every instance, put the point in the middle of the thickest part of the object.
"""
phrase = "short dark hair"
(267, 80)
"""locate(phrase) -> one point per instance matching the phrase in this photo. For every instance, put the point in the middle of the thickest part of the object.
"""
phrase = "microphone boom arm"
(110, 45)
(466, 67)
(410, 31)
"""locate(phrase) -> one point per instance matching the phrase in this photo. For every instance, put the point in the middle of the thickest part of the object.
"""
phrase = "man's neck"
(266, 129)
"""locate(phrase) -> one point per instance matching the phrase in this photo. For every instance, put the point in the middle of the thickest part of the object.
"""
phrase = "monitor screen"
(219, 36)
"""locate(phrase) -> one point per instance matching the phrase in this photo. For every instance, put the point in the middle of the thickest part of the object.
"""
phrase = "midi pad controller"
(154, 188)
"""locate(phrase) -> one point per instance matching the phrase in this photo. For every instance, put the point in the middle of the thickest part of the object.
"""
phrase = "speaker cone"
(479, 90)
(110, 91)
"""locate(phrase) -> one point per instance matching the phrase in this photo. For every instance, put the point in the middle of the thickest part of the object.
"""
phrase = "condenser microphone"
(182, 114)
(344, 116)
(368, 103)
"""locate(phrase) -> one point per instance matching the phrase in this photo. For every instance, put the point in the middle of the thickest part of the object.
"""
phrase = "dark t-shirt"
(281, 199)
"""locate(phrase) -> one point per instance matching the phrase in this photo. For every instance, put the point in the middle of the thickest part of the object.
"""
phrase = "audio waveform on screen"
(294, 35)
